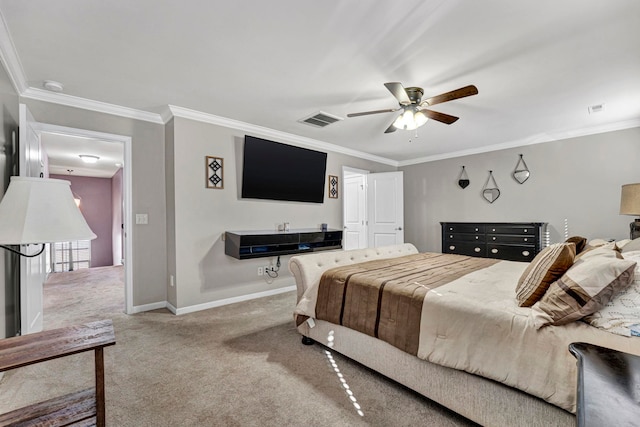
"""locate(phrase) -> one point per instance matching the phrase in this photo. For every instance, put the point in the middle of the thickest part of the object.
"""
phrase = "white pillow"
(623, 311)
(633, 245)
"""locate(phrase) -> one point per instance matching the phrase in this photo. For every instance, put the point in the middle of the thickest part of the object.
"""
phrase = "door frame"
(127, 195)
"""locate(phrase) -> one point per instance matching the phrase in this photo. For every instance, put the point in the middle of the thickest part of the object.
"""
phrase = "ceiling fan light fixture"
(411, 119)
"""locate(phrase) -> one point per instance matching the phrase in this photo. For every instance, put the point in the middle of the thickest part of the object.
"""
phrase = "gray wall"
(578, 179)
(8, 126)
(148, 192)
(203, 272)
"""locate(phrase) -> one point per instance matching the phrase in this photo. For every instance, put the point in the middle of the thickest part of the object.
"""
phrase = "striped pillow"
(547, 267)
(587, 287)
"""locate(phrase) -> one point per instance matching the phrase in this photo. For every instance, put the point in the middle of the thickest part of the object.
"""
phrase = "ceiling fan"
(412, 106)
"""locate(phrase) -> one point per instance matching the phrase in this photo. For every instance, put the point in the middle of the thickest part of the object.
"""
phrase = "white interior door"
(385, 209)
(354, 235)
(32, 270)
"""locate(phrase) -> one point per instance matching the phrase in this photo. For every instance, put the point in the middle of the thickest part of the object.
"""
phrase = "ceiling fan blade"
(391, 127)
(441, 117)
(366, 113)
(450, 96)
(399, 92)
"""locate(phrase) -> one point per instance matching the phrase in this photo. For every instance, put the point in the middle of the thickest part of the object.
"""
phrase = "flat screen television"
(276, 171)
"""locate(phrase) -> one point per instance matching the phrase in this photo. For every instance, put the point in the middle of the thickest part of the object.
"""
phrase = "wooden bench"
(83, 408)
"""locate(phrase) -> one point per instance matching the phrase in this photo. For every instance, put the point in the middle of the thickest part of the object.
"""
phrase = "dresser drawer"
(463, 228)
(511, 229)
(512, 239)
(511, 252)
(465, 248)
(464, 237)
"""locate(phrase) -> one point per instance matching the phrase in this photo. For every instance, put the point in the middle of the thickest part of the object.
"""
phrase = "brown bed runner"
(383, 298)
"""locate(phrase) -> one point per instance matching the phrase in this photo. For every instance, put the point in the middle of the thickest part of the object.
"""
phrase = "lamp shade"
(40, 210)
(630, 199)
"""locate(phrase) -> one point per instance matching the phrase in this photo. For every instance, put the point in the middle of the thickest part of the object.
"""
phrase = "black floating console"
(256, 244)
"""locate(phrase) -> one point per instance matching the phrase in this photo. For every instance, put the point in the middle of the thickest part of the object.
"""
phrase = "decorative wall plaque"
(333, 187)
(463, 179)
(214, 172)
(521, 172)
(491, 192)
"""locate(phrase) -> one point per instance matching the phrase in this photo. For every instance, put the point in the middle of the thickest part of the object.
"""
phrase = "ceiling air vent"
(320, 119)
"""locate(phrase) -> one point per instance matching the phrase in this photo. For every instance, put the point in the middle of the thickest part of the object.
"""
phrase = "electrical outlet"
(260, 271)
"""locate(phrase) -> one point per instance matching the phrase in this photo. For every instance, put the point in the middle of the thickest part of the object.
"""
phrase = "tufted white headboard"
(307, 269)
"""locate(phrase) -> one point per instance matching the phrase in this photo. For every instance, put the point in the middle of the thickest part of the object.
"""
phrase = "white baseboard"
(149, 307)
(211, 304)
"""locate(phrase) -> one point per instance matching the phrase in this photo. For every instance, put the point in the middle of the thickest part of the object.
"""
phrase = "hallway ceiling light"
(88, 158)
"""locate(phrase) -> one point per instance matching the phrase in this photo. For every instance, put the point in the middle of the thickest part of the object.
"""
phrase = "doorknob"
(399, 228)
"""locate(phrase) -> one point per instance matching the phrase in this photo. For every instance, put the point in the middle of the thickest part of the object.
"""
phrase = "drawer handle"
(476, 229)
(525, 230)
(451, 236)
(494, 238)
(477, 249)
(526, 240)
(525, 253)
(494, 251)
(493, 229)
(477, 237)
(452, 248)
(450, 228)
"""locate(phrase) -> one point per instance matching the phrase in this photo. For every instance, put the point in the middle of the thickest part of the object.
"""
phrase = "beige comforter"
(474, 324)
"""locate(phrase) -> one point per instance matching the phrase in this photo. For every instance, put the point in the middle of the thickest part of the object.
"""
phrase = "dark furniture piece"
(514, 241)
(82, 408)
(608, 391)
(256, 244)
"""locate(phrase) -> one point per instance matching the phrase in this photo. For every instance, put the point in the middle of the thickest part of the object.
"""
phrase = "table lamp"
(630, 205)
(39, 211)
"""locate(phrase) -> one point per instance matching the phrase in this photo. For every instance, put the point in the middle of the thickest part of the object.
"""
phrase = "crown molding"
(272, 133)
(536, 139)
(89, 104)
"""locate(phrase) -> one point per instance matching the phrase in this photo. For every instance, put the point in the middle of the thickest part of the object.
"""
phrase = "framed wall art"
(333, 187)
(214, 172)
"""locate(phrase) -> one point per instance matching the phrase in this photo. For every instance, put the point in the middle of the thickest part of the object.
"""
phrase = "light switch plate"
(142, 219)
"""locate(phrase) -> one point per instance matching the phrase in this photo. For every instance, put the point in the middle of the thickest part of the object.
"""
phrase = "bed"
(454, 335)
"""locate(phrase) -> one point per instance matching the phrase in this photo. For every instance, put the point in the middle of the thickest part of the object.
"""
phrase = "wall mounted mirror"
(491, 192)
(521, 172)
(463, 179)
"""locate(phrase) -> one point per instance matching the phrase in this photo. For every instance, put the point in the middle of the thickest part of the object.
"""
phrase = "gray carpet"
(237, 365)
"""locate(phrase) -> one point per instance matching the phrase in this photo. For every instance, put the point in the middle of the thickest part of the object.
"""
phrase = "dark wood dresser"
(514, 241)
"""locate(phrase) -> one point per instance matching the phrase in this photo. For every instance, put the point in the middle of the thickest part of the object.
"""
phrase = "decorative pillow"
(579, 241)
(596, 243)
(584, 289)
(551, 263)
(602, 251)
(622, 312)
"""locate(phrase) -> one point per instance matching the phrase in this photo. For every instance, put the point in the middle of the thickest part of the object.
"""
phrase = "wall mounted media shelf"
(257, 244)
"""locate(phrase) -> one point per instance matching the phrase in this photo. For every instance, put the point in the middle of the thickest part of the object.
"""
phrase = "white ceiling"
(538, 65)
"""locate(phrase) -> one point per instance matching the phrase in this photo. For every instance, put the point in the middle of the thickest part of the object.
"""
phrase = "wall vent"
(320, 119)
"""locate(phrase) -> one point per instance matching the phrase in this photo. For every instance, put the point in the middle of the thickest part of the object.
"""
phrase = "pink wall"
(117, 232)
(96, 206)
